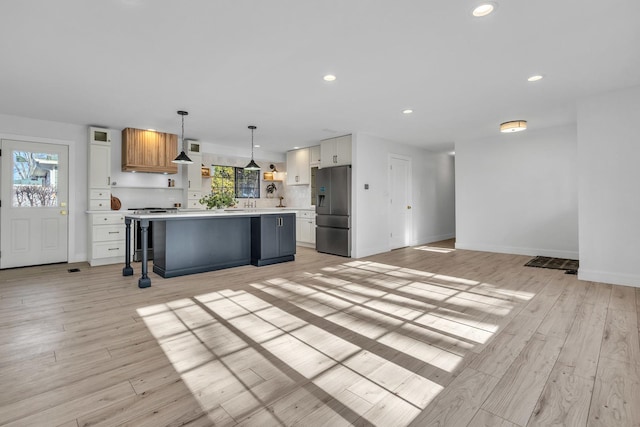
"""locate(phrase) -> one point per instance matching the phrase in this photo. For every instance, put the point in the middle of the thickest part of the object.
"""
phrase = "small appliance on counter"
(333, 209)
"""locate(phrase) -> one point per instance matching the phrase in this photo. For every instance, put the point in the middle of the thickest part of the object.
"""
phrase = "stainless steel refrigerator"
(333, 210)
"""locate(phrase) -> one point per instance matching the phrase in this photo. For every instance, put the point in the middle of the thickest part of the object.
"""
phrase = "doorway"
(400, 201)
(33, 210)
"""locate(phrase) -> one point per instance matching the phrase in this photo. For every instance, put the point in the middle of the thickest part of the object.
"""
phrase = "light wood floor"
(423, 336)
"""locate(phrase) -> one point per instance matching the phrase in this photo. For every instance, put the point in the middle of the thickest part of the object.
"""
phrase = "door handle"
(409, 207)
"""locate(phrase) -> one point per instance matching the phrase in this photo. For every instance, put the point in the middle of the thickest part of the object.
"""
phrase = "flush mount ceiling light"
(182, 158)
(252, 166)
(329, 78)
(535, 78)
(513, 126)
(407, 111)
(483, 10)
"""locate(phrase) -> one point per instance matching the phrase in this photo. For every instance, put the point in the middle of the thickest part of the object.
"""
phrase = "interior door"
(400, 202)
(34, 194)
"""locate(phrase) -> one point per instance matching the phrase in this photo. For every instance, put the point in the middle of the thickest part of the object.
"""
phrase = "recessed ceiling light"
(329, 78)
(483, 10)
(513, 126)
(452, 153)
(535, 78)
(407, 111)
(256, 146)
(295, 148)
(151, 130)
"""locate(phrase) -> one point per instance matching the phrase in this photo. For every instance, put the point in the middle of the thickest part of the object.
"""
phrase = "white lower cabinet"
(106, 238)
(306, 227)
(193, 200)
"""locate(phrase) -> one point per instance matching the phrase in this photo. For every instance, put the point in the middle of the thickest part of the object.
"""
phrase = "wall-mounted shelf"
(272, 180)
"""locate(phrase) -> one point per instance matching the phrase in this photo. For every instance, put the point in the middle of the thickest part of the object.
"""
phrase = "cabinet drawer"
(100, 205)
(306, 214)
(99, 194)
(108, 249)
(194, 204)
(105, 233)
(108, 219)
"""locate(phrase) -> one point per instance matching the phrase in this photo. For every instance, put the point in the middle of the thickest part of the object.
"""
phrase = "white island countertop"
(197, 214)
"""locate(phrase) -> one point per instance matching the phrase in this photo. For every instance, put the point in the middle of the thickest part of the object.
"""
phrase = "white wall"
(75, 137)
(609, 195)
(432, 199)
(518, 193)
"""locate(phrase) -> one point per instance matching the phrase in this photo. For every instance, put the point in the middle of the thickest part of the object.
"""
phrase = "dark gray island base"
(196, 243)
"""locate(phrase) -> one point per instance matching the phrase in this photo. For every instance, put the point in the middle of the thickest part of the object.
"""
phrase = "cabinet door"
(99, 166)
(99, 136)
(298, 169)
(315, 155)
(300, 223)
(287, 234)
(269, 234)
(312, 230)
(328, 153)
(194, 173)
(343, 150)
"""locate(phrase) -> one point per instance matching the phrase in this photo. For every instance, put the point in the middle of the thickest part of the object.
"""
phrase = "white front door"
(34, 194)
(400, 201)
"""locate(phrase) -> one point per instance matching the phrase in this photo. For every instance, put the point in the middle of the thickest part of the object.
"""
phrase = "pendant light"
(182, 158)
(252, 166)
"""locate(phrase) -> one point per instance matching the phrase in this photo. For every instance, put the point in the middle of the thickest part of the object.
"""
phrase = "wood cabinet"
(298, 169)
(273, 239)
(148, 151)
(335, 151)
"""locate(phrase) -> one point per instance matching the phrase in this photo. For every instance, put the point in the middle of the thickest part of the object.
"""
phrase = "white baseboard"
(519, 250)
(437, 238)
(608, 277)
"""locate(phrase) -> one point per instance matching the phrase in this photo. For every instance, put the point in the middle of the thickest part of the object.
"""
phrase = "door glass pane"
(35, 179)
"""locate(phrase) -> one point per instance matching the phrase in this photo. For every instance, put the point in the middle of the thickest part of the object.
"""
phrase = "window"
(238, 182)
(35, 179)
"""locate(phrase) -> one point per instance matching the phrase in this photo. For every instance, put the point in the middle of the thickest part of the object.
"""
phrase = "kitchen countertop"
(194, 214)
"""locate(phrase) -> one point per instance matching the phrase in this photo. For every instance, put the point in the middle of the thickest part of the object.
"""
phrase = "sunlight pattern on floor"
(356, 341)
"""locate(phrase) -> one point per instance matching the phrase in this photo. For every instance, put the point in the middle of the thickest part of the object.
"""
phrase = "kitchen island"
(198, 241)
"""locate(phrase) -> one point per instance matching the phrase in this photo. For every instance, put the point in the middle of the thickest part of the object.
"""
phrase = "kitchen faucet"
(249, 203)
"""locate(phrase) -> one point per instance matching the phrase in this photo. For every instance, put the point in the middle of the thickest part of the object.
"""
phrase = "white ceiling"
(232, 63)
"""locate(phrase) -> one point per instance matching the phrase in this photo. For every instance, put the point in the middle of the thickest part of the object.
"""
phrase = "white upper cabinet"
(99, 166)
(99, 170)
(194, 172)
(99, 136)
(335, 151)
(298, 169)
(315, 155)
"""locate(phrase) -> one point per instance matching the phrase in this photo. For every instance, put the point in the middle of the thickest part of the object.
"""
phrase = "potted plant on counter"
(219, 200)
